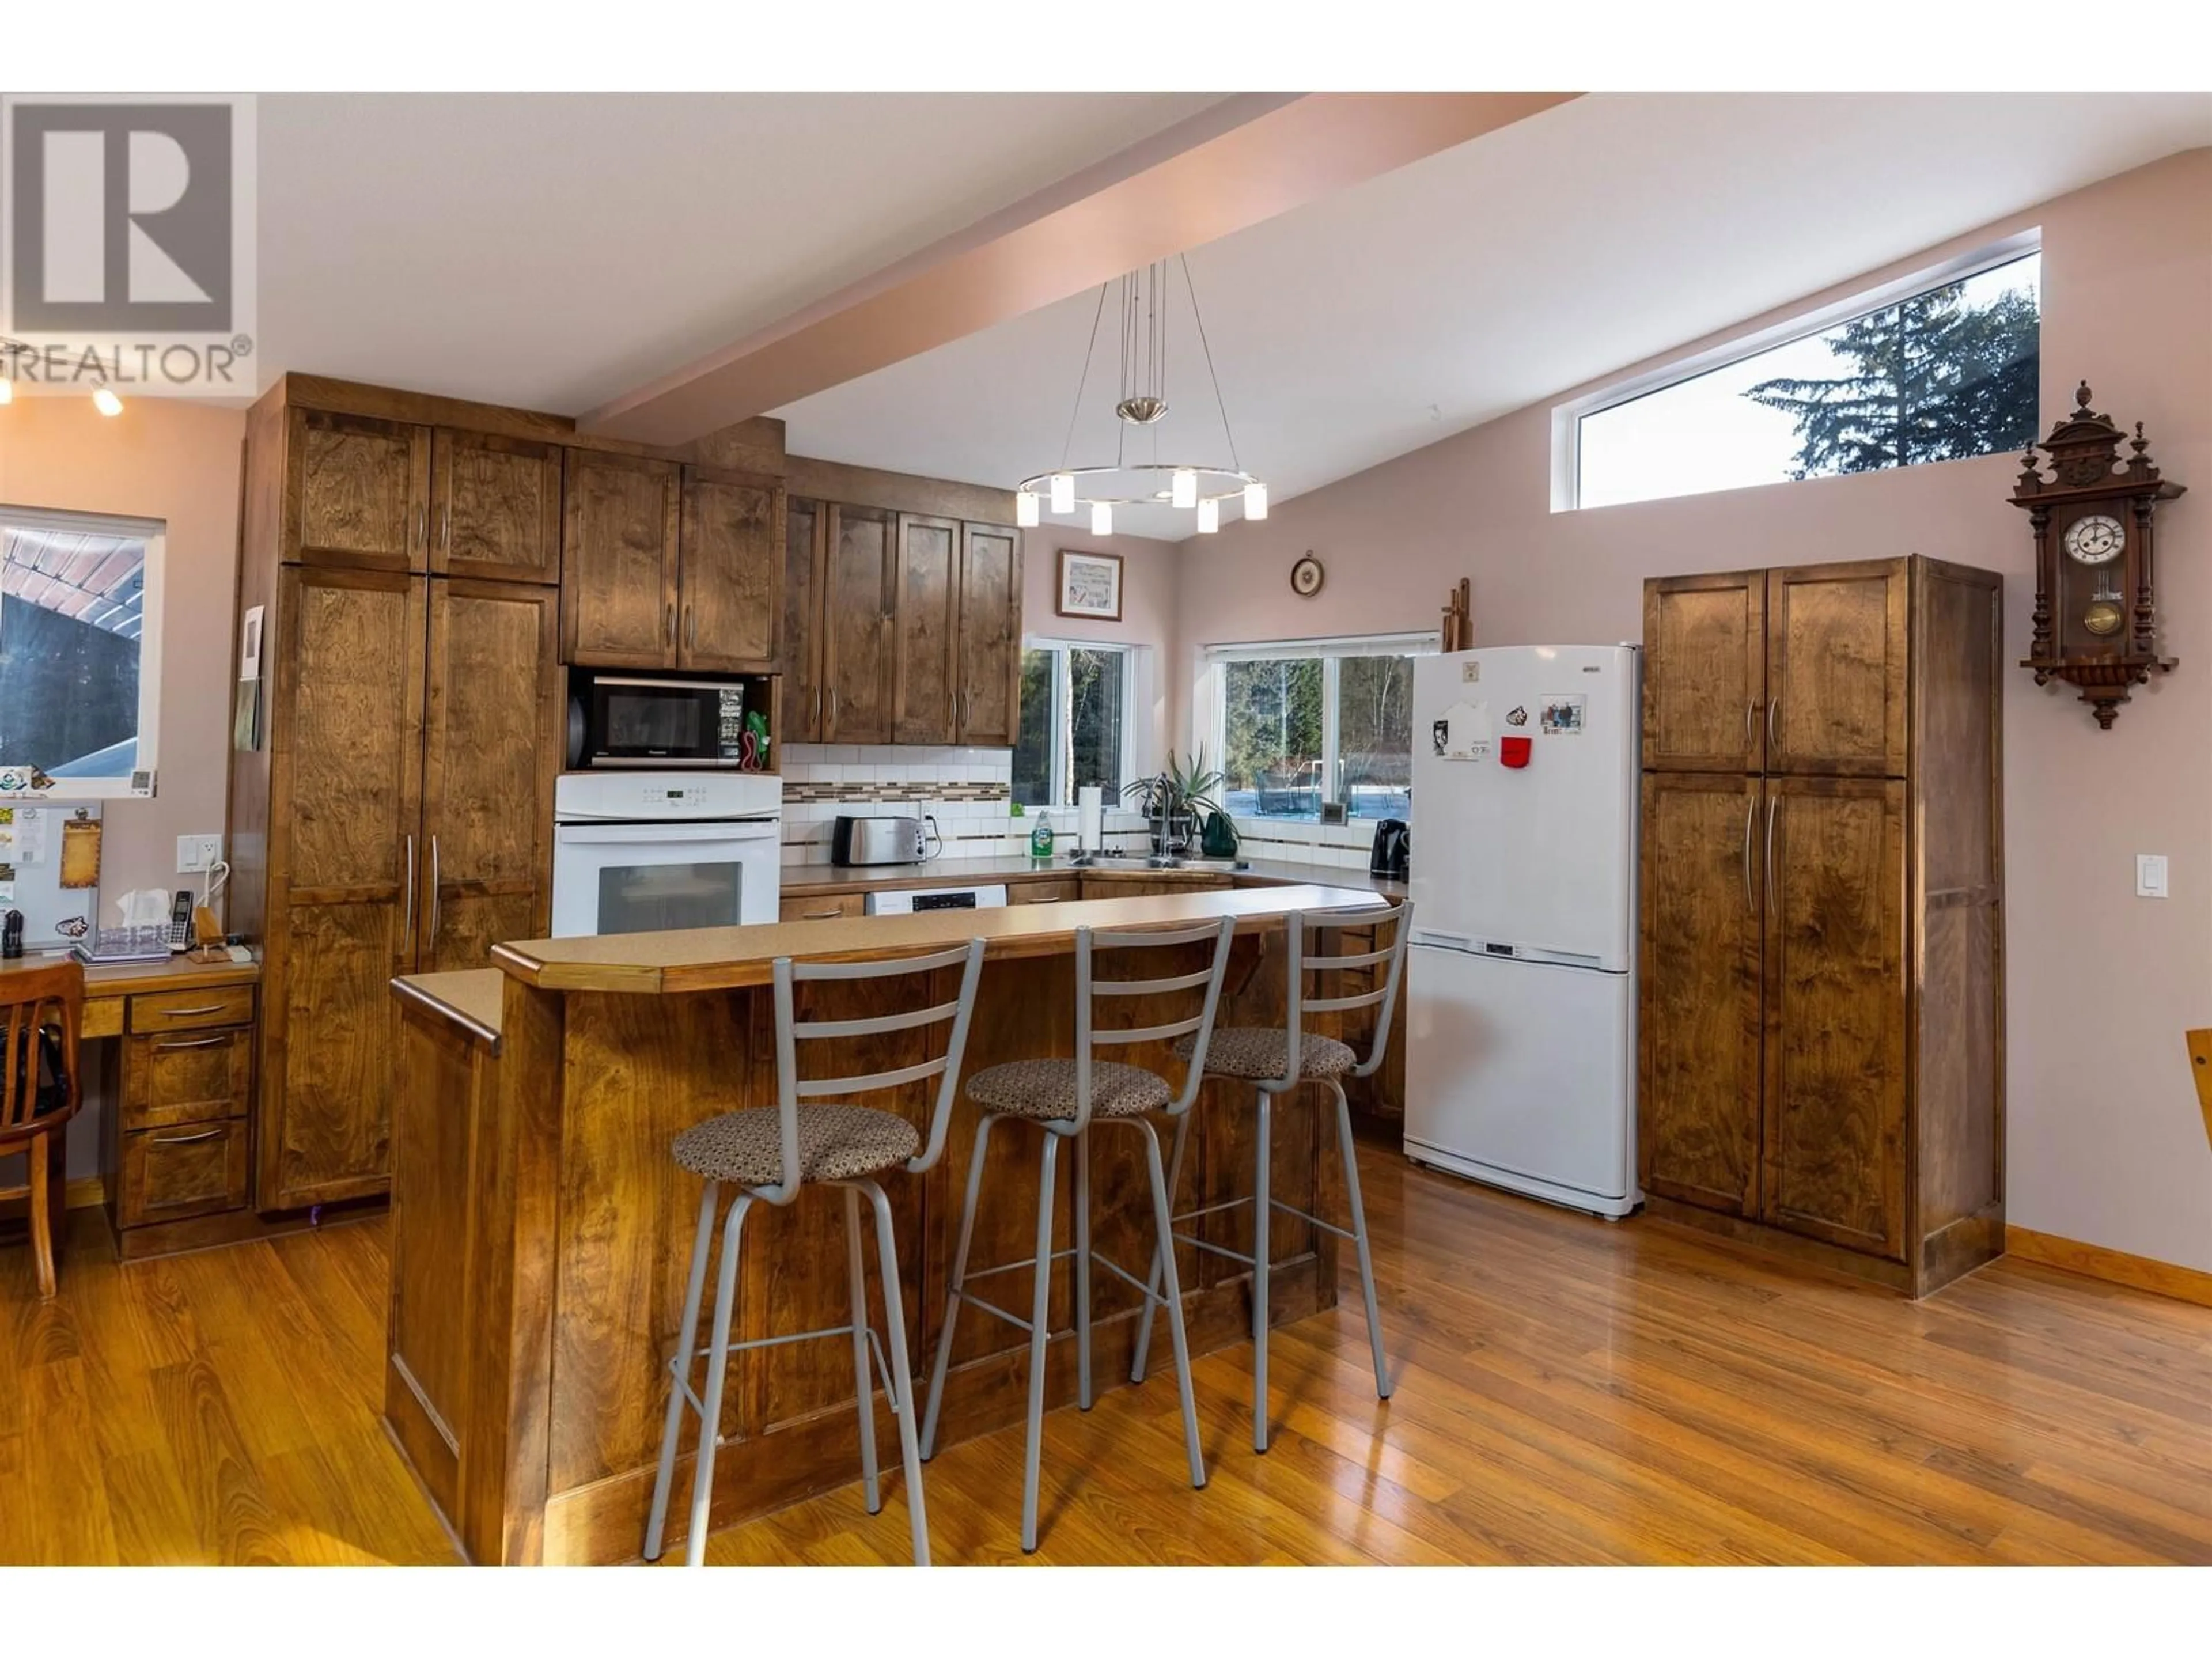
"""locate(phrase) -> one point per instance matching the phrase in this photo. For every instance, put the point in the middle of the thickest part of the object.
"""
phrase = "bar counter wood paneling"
(541, 1228)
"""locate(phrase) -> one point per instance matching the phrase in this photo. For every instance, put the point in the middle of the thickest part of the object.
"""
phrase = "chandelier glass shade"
(1190, 485)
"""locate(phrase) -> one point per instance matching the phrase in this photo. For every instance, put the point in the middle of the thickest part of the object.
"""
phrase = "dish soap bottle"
(1040, 837)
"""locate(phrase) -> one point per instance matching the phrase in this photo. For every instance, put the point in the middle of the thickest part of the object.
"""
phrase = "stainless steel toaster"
(880, 840)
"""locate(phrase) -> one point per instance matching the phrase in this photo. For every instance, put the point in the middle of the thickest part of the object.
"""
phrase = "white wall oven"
(647, 852)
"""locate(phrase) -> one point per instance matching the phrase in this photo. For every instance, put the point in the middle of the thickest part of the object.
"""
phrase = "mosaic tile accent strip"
(919, 789)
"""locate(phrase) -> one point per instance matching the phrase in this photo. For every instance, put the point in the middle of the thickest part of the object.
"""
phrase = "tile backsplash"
(969, 791)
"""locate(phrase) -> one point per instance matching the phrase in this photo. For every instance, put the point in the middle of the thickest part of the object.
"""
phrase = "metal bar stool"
(768, 1154)
(1260, 1056)
(1066, 1099)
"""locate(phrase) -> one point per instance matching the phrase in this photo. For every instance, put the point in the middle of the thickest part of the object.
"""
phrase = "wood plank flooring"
(1568, 1391)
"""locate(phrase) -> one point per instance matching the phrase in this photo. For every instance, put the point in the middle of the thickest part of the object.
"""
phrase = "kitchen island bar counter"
(541, 1229)
(732, 958)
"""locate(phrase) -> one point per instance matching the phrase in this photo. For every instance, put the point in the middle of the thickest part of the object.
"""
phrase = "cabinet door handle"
(1772, 803)
(187, 1013)
(407, 933)
(1773, 742)
(421, 525)
(1750, 811)
(446, 533)
(668, 623)
(196, 1042)
(1749, 709)
(690, 626)
(833, 708)
(434, 906)
(185, 1140)
(817, 711)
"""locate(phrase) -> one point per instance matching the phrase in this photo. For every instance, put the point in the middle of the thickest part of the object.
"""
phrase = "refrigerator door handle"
(1772, 801)
(1750, 811)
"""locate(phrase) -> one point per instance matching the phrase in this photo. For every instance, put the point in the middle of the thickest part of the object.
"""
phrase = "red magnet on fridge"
(1514, 752)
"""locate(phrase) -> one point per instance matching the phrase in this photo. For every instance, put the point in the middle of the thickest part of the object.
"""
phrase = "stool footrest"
(993, 1308)
(1130, 1280)
(1326, 1227)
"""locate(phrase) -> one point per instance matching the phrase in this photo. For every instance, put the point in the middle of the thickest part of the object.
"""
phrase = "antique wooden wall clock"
(2096, 612)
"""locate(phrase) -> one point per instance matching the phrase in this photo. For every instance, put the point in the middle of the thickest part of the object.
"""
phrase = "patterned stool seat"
(1044, 1089)
(1256, 1052)
(835, 1143)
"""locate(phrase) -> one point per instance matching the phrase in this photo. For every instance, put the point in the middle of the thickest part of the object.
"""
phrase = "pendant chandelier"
(1188, 484)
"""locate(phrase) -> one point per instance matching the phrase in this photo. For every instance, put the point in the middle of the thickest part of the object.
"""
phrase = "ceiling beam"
(1245, 159)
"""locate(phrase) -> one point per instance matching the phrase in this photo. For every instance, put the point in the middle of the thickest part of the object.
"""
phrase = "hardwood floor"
(1568, 1392)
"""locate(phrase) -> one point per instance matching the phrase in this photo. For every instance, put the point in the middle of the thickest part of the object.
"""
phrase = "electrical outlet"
(198, 853)
(2150, 875)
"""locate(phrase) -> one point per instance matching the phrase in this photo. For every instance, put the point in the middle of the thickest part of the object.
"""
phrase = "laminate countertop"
(729, 958)
(826, 878)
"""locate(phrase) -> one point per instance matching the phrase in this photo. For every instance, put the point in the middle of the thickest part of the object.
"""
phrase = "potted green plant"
(1173, 799)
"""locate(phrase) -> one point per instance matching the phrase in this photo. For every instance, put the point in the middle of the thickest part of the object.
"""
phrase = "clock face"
(2097, 539)
(1306, 577)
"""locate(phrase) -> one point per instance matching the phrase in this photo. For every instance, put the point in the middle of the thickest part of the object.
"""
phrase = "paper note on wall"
(80, 853)
(22, 835)
(1463, 733)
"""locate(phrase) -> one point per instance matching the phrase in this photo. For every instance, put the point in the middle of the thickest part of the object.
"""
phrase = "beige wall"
(2103, 1141)
(1150, 577)
(177, 462)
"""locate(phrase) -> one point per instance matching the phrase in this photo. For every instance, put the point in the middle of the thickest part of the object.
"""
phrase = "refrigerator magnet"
(1562, 716)
(1461, 732)
(1514, 752)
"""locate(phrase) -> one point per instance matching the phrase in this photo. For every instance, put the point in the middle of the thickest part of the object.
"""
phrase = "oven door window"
(651, 898)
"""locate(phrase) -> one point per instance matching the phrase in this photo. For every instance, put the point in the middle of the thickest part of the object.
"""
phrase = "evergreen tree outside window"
(1944, 374)
(1075, 723)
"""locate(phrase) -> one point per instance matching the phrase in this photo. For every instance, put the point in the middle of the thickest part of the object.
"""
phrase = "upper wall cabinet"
(928, 573)
(495, 507)
(804, 541)
(730, 572)
(618, 560)
(1704, 715)
(990, 636)
(1837, 657)
(858, 603)
(358, 493)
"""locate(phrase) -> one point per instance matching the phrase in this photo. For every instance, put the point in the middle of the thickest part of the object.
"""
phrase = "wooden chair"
(41, 1012)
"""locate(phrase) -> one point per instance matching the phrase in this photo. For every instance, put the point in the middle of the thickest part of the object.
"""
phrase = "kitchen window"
(80, 649)
(1939, 366)
(1304, 725)
(1076, 725)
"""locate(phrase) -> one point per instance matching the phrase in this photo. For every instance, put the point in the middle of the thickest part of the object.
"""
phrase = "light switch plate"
(2150, 875)
(198, 853)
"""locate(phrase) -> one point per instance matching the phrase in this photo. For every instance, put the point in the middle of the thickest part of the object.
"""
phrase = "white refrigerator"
(1520, 998)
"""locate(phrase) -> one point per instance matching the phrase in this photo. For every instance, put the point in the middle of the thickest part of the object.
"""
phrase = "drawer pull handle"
(185, 1140)
(196, 1042)
(822, 915)
(188, 1013)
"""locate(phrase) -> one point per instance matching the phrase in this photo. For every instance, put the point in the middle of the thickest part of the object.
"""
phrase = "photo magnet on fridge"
(1562, 716)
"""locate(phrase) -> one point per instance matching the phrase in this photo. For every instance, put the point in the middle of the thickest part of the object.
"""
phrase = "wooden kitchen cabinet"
(495, 507)
(1704, 715)
(1820, 970)
(620, 540)
(988, 648)
(729, 571)
(356, 492)
(345, 814)
(492, 746)
(1699, 989)
(859, 601)
(924, 630)
(807, 525)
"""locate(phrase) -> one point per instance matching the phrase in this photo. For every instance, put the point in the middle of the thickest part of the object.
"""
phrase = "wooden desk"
(174, 1163)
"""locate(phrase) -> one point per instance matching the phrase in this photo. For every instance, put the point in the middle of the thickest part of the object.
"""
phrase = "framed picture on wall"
(1089, 586)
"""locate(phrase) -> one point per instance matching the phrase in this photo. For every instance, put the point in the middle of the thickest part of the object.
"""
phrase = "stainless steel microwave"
(643, 719)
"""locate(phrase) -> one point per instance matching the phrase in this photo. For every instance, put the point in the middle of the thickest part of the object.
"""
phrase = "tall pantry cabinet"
(393, 812)
(1821, 970)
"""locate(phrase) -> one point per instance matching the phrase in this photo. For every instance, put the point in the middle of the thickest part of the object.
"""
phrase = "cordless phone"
(181, 920)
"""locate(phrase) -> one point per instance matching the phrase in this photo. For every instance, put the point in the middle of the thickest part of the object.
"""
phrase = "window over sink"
(79, 648)
(1303, 723)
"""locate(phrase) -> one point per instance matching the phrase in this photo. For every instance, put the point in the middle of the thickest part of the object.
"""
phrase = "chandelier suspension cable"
(1205, 347)
(1067, 445)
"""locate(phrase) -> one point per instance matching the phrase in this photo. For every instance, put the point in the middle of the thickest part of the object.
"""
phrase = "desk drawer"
(170, 1174)
(187, 1011)
(821, 906)
(187, 1077)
